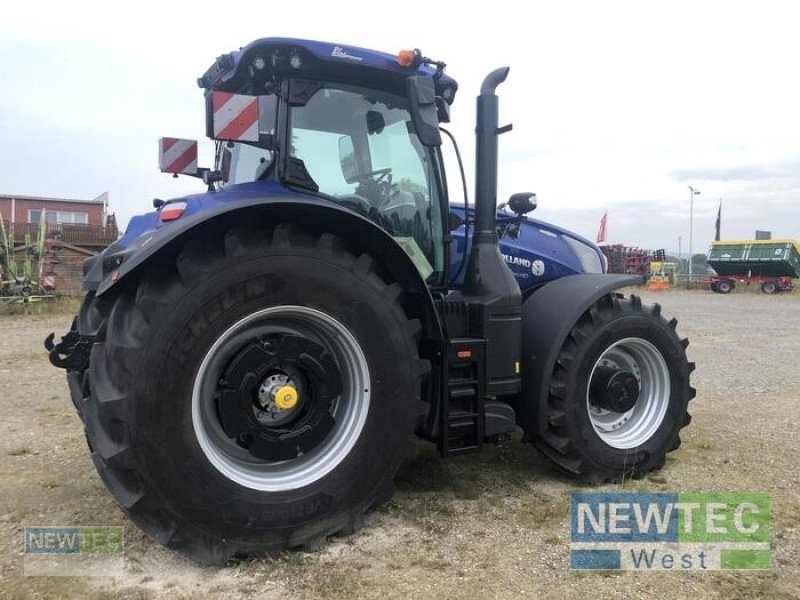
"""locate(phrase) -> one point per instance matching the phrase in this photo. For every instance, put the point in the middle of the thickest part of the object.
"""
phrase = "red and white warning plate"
(235, 117)
(177, 156)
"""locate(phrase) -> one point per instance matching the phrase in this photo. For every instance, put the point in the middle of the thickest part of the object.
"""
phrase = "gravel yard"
(491, 524)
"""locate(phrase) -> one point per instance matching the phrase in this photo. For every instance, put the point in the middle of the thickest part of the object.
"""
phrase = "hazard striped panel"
(177, 156)
(235, 117)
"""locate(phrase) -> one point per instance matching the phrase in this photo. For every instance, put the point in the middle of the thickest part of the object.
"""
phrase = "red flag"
(601, 234)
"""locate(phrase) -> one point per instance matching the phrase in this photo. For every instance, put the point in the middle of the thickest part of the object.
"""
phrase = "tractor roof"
(244, 70)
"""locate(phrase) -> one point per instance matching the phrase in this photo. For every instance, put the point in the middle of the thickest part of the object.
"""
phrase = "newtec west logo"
(670, 532)
(73, 540)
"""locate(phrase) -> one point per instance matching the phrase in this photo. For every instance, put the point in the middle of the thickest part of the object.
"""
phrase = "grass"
(64, 305)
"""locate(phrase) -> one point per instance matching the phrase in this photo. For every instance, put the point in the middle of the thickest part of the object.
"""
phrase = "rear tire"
(770, 287)
(165, 369)
(611, 442)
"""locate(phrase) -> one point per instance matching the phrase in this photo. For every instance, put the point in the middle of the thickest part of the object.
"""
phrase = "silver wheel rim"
(634, 427)
(349, 411)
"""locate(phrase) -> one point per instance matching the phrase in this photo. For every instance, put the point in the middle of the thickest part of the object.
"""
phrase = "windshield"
(359, 147)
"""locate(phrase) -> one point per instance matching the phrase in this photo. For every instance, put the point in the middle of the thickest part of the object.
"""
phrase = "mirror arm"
(209, 176)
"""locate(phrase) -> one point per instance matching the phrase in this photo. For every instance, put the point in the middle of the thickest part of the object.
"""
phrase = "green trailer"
(773, 264)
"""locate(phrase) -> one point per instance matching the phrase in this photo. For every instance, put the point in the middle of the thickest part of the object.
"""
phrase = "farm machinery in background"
(771, 264)
(252, 364)
(631, 260)
(23, 281)
(663, 275)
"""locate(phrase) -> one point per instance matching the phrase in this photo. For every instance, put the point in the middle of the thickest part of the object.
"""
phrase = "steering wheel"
(378, 174)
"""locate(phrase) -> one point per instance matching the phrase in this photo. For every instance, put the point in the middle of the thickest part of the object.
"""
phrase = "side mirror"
(424, 112)
(225, 159)
(442, 110)
(176, 156)
(522, 203)
(347, 159)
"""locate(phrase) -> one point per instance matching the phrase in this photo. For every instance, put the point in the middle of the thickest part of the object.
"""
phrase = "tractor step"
(464, 418)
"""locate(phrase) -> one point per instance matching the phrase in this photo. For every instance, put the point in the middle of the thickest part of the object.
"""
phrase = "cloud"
(789, 169)
(657, 224)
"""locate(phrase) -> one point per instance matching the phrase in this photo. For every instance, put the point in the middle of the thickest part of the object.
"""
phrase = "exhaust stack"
(489, 282)
(487, 274)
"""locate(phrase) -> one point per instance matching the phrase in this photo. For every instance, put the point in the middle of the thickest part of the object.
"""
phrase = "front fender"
(115, 265)
(548, 315)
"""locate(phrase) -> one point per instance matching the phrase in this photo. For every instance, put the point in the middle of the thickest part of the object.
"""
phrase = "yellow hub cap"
(286, 398)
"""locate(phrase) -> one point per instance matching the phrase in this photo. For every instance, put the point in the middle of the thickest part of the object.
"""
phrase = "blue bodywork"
(229, 70)
(149, 222)
(542, 252)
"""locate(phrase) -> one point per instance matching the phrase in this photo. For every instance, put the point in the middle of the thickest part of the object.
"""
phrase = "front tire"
(184, 411)
(619, 392)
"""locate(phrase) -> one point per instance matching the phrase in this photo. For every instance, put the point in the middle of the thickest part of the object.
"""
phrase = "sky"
(617, 107)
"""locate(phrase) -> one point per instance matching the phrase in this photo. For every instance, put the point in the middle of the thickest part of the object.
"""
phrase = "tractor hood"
(543, 252)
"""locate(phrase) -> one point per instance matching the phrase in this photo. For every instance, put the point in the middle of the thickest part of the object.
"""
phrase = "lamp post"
(692, 193)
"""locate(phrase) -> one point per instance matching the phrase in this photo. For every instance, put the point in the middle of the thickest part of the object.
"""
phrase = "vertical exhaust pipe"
(487, 274)
(486, 156)
(489, 283)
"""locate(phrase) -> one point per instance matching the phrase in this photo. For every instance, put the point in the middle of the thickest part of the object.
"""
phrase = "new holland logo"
(536, 267)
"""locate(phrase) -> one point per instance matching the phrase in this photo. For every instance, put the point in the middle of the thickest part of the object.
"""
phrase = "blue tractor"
(253, 364)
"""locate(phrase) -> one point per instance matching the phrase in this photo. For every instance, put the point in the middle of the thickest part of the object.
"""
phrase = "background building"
(75, 229)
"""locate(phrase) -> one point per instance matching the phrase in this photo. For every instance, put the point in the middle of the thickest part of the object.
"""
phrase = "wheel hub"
(285, 398)
(278, 393)
(628, 393)
(614, 389)
(289, 412)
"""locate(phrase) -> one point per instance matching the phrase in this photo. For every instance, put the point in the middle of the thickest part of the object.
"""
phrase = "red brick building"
(58, 211)
(75, 229)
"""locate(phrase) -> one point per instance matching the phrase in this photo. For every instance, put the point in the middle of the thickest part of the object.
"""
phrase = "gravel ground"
(492, 524)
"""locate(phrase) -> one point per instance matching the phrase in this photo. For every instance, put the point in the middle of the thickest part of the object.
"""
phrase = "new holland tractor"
(253, 364)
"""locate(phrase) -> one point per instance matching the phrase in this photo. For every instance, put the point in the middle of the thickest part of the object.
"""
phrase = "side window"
(248, 163)
(399, 149)
(360, 149)
(320, 153)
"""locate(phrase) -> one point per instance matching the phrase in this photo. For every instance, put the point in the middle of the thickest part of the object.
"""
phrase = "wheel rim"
(348, 410)
(633, 427)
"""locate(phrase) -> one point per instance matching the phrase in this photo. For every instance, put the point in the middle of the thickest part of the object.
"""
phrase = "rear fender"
(114, 266)
(548, 315)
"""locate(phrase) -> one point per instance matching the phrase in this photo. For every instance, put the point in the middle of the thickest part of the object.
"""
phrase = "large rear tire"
(619, 392)
(257, 394)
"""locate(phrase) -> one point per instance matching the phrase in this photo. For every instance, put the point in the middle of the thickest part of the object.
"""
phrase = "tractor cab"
(353, 126)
